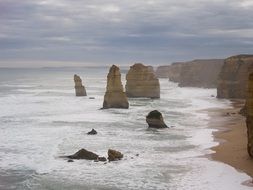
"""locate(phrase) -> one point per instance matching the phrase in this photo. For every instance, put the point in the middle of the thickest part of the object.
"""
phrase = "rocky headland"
(249, 116)
(115, 96)
(233, 78)
(142, 82)
(79, 88)
(197, 73)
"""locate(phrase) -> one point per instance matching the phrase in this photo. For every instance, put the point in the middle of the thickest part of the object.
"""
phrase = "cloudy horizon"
(64, 33)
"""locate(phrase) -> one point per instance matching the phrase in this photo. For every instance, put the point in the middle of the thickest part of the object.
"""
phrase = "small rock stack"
(80, 89)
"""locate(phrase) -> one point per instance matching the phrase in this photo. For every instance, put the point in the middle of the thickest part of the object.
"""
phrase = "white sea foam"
(38, 127)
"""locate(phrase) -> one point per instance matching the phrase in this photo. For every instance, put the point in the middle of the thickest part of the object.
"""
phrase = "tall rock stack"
(80, 89)
(249, 112)
(115, 97)
(142, 82)
(233, 78)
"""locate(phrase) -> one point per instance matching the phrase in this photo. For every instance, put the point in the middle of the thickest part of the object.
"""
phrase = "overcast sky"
(69, 32)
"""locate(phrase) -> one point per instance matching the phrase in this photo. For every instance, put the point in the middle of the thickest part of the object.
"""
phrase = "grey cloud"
(107, 31)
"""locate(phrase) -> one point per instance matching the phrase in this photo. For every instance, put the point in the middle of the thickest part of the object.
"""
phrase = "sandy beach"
(232, 135)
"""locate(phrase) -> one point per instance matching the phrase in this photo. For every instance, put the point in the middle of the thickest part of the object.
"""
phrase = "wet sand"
(232, 135)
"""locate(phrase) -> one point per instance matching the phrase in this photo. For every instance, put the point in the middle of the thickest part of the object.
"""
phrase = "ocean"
(41, 120)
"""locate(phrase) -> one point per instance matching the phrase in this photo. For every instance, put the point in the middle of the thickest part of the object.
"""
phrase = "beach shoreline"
(232, 137)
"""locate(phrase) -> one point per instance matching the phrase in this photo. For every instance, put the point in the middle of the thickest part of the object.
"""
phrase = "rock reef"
(115, 97)
(142, 82)
(84, 154)
(233, 78)
(80, 89)
(249, 115)
(197, 73)
(114, 155)
(155, 120)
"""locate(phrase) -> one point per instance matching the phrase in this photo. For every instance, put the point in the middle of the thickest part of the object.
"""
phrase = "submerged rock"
(249, 112)
(142, 82)
(155, 120)
(92, 132)
(102, 159)
(115, 97)
(84, 154)
(114, 155)
(80, 89)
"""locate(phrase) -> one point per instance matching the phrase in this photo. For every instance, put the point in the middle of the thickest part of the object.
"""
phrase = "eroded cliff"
(233, 78)
(249, 112)
(197, 73)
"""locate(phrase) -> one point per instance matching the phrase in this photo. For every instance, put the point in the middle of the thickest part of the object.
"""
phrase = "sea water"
(41, 120)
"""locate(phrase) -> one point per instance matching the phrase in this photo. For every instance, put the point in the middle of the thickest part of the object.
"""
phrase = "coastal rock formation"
(92, 132)
(200, 73)
(84, 154)
(80, 89)
(155, 120)
(142, 82)
(233, 78)
(115, 97)
(249, 112)
(114, 155)
(197, 73)
(170, 71)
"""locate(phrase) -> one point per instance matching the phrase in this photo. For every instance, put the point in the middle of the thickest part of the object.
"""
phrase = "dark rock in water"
(92, 132)
(102, 159)
(91, 97)
(70, 160)
(136, 154)
(114, 155)
(155, 120)
(84, 154)
(212, 96)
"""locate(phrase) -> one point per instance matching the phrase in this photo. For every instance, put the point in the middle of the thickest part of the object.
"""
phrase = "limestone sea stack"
(233, 78)
(115, 97)
(155, 120)
(249, 115)
(80, 89)
(142, 82)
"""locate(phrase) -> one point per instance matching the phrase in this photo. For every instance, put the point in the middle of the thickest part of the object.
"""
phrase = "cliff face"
(249, 112)
(200, 73)
(79, 88)
(115, 97)
(170, 71)
(142, 82)
(163, 71)
(233, 78)
(197, 73)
